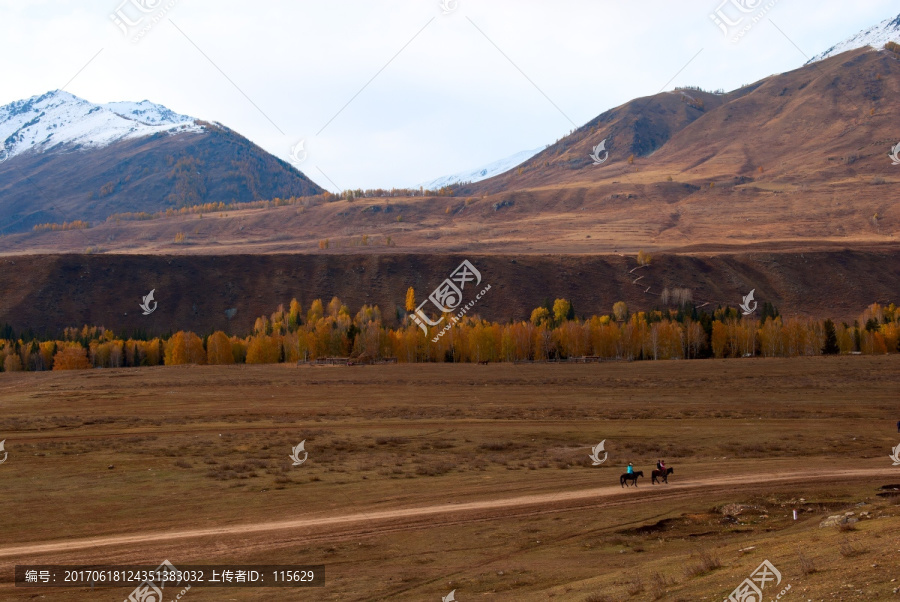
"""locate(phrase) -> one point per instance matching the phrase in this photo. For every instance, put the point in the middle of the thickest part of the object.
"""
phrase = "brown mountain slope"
(639, 127)
(48, 293)
(820, 123)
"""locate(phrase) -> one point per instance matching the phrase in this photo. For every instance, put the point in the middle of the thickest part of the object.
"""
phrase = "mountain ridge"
(44, 122)
(875, 37)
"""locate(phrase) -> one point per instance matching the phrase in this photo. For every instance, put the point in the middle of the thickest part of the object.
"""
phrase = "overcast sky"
(429, 93)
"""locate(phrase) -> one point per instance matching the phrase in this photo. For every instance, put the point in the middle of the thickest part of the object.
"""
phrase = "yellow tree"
(218, 349)
(694, 337)
(264, 350)
(561, 309)
(71, 357)
(184, 348)
(315, 313)
(845, 338)
(48, 350)
(620, 311)
(540, 316)
(294, 311)
(335, 307)
(410, 299)
(12, 363)
(262, 326)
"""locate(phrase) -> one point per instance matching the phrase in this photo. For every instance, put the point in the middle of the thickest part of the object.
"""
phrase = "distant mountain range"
(64, 158)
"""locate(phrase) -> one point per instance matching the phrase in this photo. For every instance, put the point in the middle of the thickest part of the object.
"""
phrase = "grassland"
(423, 479)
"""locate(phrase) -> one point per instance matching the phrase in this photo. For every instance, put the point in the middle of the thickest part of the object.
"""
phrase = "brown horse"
(662, 476)
(630, 477)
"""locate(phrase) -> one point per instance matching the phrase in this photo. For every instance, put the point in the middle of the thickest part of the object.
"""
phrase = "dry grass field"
(422, 479)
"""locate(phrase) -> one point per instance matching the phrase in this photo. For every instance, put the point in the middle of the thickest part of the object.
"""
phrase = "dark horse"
(663, 476)
(630, 477)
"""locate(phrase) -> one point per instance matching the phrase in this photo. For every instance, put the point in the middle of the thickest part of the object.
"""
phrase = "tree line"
(553, 332)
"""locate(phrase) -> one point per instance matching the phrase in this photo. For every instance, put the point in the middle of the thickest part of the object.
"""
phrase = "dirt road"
(642, 494)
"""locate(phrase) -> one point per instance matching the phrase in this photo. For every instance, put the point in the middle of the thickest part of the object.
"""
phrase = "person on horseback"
(661, 466)
(630, 468)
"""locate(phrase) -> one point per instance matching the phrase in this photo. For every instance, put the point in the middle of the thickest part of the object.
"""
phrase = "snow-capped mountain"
(59, 118)
(476, 175)
(875, 36)
(90, 161)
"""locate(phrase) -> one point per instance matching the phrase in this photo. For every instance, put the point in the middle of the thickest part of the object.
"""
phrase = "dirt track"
(642, 494)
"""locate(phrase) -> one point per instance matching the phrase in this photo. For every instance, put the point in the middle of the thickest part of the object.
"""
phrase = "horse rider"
(630, 468)
(661, 466)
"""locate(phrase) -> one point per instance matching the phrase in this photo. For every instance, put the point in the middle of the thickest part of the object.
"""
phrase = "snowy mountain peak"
(876, 36)
(482, 173)
(58, 118)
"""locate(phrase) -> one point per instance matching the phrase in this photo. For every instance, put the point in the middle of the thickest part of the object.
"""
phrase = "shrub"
(807, 566)
(706, 562)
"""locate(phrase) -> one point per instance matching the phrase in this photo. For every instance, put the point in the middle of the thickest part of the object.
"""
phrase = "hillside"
(48, 293)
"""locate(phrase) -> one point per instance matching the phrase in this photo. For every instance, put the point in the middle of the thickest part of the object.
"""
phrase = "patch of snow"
(147, 112)
(56, 118)
(482, 173)
(876, 37)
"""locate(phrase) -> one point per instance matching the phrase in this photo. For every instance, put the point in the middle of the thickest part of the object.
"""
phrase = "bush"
(707, 562)
(807, 566)
(849, 549)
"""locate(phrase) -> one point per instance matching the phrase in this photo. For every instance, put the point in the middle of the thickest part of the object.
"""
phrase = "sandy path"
(643, 494)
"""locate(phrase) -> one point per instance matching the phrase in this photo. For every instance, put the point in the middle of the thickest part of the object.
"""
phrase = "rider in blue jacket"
(630, 468)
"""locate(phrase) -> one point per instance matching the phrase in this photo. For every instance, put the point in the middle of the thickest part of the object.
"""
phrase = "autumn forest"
(553, 333)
